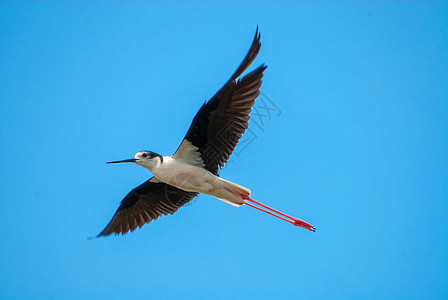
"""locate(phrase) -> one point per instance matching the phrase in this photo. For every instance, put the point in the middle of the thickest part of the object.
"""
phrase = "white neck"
(151, 164)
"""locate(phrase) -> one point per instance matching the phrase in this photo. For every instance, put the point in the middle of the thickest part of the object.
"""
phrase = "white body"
(175, 170)
(196, 179)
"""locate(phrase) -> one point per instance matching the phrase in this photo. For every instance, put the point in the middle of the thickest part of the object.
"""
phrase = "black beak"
(122, 161)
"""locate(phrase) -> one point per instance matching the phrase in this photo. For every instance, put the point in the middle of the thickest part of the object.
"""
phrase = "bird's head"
(145, 159)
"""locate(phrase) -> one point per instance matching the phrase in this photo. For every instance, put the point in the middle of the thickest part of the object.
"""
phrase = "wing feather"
(144, 204)
(219, 124)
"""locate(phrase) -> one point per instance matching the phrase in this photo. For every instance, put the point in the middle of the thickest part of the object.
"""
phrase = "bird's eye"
(144, 154)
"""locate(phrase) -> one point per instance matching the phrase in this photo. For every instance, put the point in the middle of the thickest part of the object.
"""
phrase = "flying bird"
(194, 167)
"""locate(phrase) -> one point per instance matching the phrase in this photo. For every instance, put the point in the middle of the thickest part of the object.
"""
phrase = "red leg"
(272, 214)
(295, 221)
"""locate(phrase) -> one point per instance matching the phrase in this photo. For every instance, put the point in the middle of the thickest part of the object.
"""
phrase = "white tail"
(231, 193)
(237, 188)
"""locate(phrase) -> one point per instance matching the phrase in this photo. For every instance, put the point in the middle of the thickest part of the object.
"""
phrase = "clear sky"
(356, 143)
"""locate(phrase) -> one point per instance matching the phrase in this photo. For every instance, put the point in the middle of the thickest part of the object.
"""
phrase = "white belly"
(195, 179)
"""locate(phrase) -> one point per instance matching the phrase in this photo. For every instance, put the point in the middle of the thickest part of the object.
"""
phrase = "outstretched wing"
(219, 124)
(145, 203)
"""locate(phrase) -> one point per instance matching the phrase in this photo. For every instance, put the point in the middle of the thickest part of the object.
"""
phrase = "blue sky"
(358, 147)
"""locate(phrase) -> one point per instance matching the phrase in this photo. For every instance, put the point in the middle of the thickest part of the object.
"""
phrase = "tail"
(233, 193)
(236, 187)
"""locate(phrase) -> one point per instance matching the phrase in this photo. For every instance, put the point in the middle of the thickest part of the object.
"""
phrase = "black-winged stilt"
(193, 168)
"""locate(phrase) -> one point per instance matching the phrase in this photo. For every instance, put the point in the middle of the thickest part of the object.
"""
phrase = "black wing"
(145, 203)
(220, 123)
